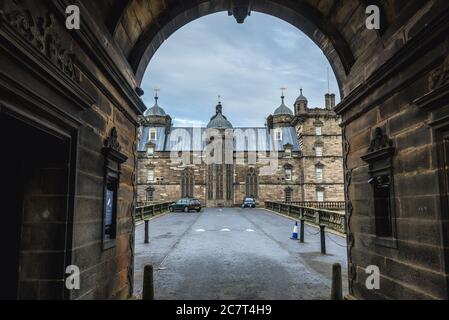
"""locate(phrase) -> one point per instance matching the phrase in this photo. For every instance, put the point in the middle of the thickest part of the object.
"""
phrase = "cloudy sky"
(245, 64)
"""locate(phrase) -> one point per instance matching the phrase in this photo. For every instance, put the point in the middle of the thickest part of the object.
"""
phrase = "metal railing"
(331, 219)
(151, 210)
(327, 205)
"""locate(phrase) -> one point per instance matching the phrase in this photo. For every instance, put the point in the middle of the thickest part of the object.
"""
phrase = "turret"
(301, 104)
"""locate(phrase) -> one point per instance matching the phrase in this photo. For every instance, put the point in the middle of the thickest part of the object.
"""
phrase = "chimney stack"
(330, 101)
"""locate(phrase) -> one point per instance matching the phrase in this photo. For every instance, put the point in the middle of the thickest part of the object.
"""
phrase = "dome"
(219, 121)
(155, 110)
(301, 98)
(283, 109)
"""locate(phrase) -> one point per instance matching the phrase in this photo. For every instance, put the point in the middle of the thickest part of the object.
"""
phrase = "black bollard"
(148, 283)
(337, 285)
(301, 236)
(323, 239)
(147, 239)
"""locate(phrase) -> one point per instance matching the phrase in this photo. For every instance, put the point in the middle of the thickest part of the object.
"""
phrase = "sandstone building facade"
(296, 156)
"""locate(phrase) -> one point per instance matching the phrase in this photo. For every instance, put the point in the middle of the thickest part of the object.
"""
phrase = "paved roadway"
(235, 254)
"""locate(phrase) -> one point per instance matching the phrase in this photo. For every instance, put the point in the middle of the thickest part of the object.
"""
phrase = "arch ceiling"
(139, 27)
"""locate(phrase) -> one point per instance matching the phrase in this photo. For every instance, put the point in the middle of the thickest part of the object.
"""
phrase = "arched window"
(210, 182)
(229, 181)
(288, 192)
(319, 171)
(252, 187)
(219, 182)
(187, 183)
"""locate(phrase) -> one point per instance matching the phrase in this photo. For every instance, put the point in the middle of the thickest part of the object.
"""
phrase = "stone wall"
(406, 103)
(79, 100)
(331, 160)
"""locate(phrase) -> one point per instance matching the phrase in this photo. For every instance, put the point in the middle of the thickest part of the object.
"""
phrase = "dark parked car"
(186, 205)
(249, 202)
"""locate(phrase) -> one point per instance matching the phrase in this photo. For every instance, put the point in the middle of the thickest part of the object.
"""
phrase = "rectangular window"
(150, 176)
(319, 151)
(288, 153)
(320, 196)
(153, 134)
(288, 174)
(150, 151)
(318, 131)
(319, 173)
(278, 135)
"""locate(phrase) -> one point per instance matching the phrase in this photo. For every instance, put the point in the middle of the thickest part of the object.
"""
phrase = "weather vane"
(156, 92)
(283, 89)
(219, 99)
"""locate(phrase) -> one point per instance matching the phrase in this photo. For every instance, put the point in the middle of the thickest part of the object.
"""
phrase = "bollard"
(323, 239)
(301, 236)
(148, 283)
(337, 286)
(147, 240)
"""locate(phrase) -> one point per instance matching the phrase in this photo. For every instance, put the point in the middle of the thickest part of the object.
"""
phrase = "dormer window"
(278, 135)
(150, 151)
(288, 172)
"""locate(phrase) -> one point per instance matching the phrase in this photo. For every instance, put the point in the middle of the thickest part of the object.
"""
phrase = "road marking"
(250, 230)
(200, 230)
(225, 230)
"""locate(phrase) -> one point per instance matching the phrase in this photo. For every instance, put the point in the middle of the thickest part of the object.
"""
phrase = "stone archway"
(164, 23)
(364, 62)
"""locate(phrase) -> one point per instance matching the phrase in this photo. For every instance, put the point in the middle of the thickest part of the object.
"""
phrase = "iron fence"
(151, 210)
